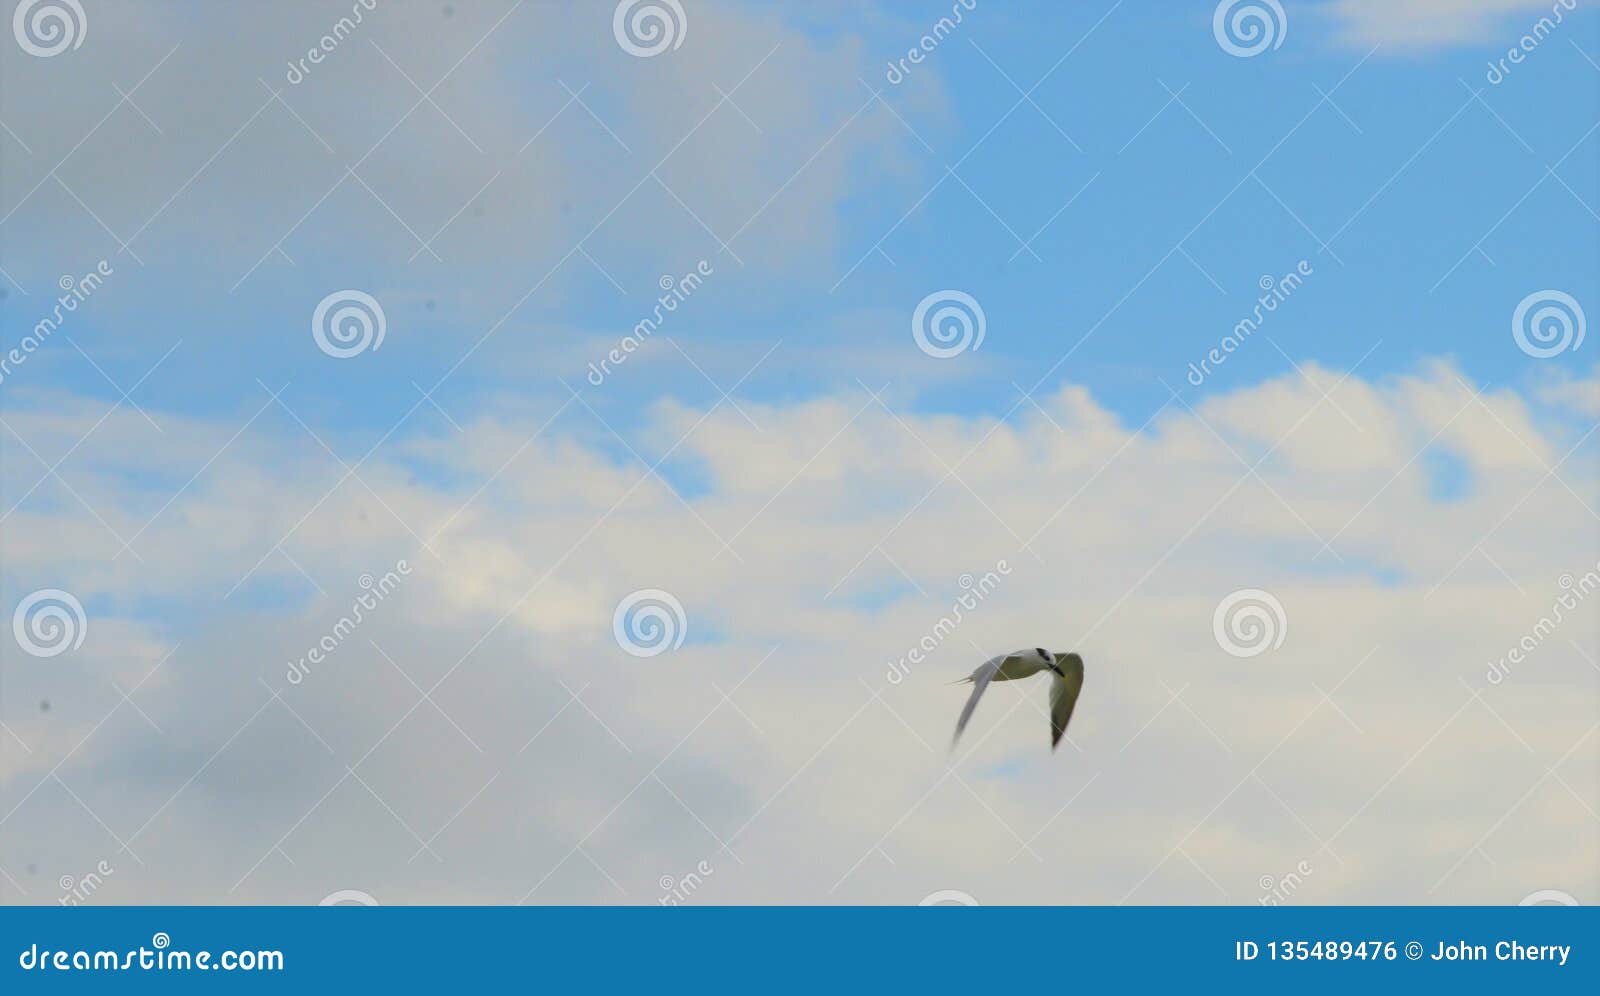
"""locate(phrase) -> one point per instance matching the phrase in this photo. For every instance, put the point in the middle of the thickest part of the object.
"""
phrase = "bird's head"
(1048, 659)
(1061, 661)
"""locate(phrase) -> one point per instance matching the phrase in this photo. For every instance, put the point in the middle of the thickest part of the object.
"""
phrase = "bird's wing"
(1063, 696)
(980, 680)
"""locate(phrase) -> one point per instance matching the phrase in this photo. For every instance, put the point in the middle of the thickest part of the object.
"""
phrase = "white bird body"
(1066, 683)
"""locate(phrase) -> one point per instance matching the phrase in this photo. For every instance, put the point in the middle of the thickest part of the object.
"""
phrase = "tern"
(1066, 683)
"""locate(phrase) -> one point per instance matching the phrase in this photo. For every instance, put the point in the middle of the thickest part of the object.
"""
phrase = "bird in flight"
(1065, 683)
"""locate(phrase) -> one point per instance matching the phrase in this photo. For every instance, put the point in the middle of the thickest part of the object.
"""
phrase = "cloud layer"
(777, 744)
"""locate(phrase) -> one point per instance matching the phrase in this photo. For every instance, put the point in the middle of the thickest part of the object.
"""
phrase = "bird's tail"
(961, 681)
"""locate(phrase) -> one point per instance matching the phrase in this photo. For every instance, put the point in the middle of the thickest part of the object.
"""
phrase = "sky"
(1238, 347)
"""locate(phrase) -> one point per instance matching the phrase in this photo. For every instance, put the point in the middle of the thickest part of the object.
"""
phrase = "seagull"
(1064, 687)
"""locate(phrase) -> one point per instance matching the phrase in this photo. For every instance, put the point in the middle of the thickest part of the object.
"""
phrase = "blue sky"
(1380, 472)
(1173, 194)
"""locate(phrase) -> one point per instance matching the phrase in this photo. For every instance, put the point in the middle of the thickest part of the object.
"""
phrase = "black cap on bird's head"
(1049, 660)
(1070, 660)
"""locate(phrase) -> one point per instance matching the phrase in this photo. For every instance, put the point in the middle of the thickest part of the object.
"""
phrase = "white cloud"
(1434, 23)
(1355, 747)
(1580, 394)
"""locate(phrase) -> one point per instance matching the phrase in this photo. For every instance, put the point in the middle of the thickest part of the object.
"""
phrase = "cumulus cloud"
(1581, 394)
(480, 735)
